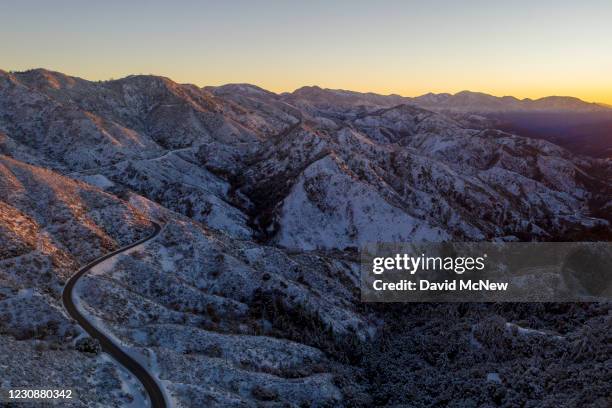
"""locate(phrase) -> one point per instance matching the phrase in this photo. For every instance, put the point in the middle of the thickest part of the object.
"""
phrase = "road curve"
(156, 395)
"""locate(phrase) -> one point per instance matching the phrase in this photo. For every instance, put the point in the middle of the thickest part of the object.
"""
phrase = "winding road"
(156, 396)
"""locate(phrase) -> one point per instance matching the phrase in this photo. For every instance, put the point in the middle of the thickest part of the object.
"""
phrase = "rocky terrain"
(249, 296)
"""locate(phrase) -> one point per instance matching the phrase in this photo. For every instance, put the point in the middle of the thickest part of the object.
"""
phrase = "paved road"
(155, 394)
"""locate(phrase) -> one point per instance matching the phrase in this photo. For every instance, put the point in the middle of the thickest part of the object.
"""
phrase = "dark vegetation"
(480, 355)
(462, 355)
(295, 322)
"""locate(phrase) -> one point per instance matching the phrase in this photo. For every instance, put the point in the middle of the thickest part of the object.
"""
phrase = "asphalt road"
(155, 394)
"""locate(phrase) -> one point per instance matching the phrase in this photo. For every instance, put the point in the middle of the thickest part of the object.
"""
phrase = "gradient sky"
(521, 48)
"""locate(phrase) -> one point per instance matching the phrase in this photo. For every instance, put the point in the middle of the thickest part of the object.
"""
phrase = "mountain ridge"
(480, 101)
(468, 100)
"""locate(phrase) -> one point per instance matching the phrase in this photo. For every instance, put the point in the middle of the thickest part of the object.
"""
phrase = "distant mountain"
(481, 102)
(340, 98)
(561, 120)
(465, 101)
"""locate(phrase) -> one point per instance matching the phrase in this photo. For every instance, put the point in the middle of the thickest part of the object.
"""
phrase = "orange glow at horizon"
(523, 48)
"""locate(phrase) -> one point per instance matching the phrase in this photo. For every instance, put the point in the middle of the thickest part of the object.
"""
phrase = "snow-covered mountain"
(482, 102)
(464, 101)
(249, 295)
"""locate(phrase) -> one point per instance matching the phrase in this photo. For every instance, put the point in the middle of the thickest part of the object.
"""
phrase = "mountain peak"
(46, 78)
(471, 93)
(243, 88)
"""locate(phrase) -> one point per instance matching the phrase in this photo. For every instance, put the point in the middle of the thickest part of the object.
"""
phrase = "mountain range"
(249, 295)
(464, 101)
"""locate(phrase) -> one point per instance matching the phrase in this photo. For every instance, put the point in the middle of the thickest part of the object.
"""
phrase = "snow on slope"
(328, 208)
(228, 316)
(49, 225)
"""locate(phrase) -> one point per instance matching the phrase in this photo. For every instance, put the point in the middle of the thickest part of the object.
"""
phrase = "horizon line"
(521, 99)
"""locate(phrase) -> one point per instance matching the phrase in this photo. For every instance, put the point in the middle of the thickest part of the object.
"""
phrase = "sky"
(520, 48)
